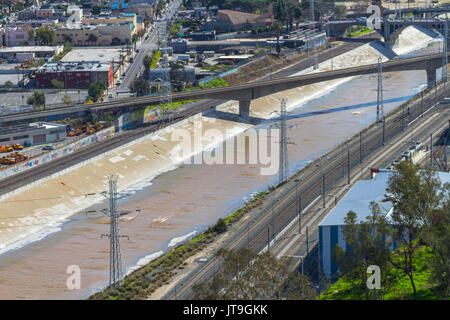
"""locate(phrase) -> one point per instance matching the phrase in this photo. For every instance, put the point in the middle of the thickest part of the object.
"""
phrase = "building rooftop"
(103, 55)
(360, 196)
(28, 127)
(74, 66)
(27, 49)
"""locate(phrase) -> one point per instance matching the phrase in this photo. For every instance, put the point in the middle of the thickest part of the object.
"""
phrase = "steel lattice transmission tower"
(115, 257)
(284, 165)
(166, 88)
(313, 59)
(380, 107)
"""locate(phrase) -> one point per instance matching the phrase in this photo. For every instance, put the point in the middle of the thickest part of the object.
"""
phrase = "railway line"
(312, 184)
(39, 172)
(248, 91)
(32, 175)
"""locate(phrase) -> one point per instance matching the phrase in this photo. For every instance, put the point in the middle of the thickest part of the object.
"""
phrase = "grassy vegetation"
(174, 29)
(400, 285)
(147, 279)
(216, 67)
(216, 83)
(358, 31)
(66, 50)
(155, 57)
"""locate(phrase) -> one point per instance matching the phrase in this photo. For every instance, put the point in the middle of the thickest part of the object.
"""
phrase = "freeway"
(313, 183)
(244, 92)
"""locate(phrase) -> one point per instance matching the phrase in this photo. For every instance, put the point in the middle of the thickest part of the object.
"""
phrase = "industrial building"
(32, 134)
(74, 74)
(357, 199)
(22, 53)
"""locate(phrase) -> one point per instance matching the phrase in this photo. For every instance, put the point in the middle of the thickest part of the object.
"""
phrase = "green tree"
(45, 35)
(250, 276)
(160, 6)
(68, 46)
(31, 35)
(66, 99)
(147, 61)
(297, 14)
(178, 73)
(277, 27)
(140, 87)
(280, 11)
(96, 9)
(37, 99)
(340, 11)
(9, 84)
(369, 243)
(57, 84)
(95, 90)
(415, 197)
(437, 236)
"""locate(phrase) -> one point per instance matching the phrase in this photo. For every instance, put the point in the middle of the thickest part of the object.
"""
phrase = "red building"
(74, 74)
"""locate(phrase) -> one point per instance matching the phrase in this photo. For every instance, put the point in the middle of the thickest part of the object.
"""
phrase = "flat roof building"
(33, 133)
(74, 74)
(39, 51)
(357, 199)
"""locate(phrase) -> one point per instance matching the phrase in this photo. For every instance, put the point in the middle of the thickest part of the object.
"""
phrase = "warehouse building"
(74, 74)
(32, 134)
(14, 53)
(357, 199)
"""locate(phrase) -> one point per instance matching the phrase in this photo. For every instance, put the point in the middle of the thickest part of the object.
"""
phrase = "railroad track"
(32, 175)
(276, 216)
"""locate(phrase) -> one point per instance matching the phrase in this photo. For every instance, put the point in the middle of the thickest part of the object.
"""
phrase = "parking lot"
(51, 97)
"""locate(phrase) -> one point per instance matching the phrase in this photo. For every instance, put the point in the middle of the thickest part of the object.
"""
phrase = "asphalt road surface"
(146, 47)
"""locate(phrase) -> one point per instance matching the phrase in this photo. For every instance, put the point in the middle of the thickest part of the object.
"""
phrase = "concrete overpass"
(423, 12)
(247, 92)
(390, 28)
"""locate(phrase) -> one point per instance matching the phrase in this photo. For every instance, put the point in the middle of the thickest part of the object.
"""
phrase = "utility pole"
(380, 107)
(115, 257)
(444, 55)
(299, 203)
(348, 164)
(323, 190)
(284, 165)
(360, 147)
(431, 150)
(307, 241)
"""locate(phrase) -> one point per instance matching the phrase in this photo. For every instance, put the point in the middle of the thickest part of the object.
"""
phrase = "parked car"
(48, 148)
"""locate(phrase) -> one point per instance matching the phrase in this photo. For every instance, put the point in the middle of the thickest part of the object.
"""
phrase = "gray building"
(356, 200)
(32, 134)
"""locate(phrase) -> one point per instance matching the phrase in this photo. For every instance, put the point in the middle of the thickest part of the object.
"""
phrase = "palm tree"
(147, 62)
(297, 15)
(277, 26)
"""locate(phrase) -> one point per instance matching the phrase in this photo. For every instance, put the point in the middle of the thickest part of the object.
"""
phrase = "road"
(194, 108)
(248, 91)
(311, 188)
(146, 47)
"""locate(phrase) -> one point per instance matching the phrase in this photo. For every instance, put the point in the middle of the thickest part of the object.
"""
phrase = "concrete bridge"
(423, 12)
(390, 28)
(247, 92)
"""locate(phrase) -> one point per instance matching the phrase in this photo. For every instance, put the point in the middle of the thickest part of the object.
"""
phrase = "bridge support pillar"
(431, 77)
(244, 109)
